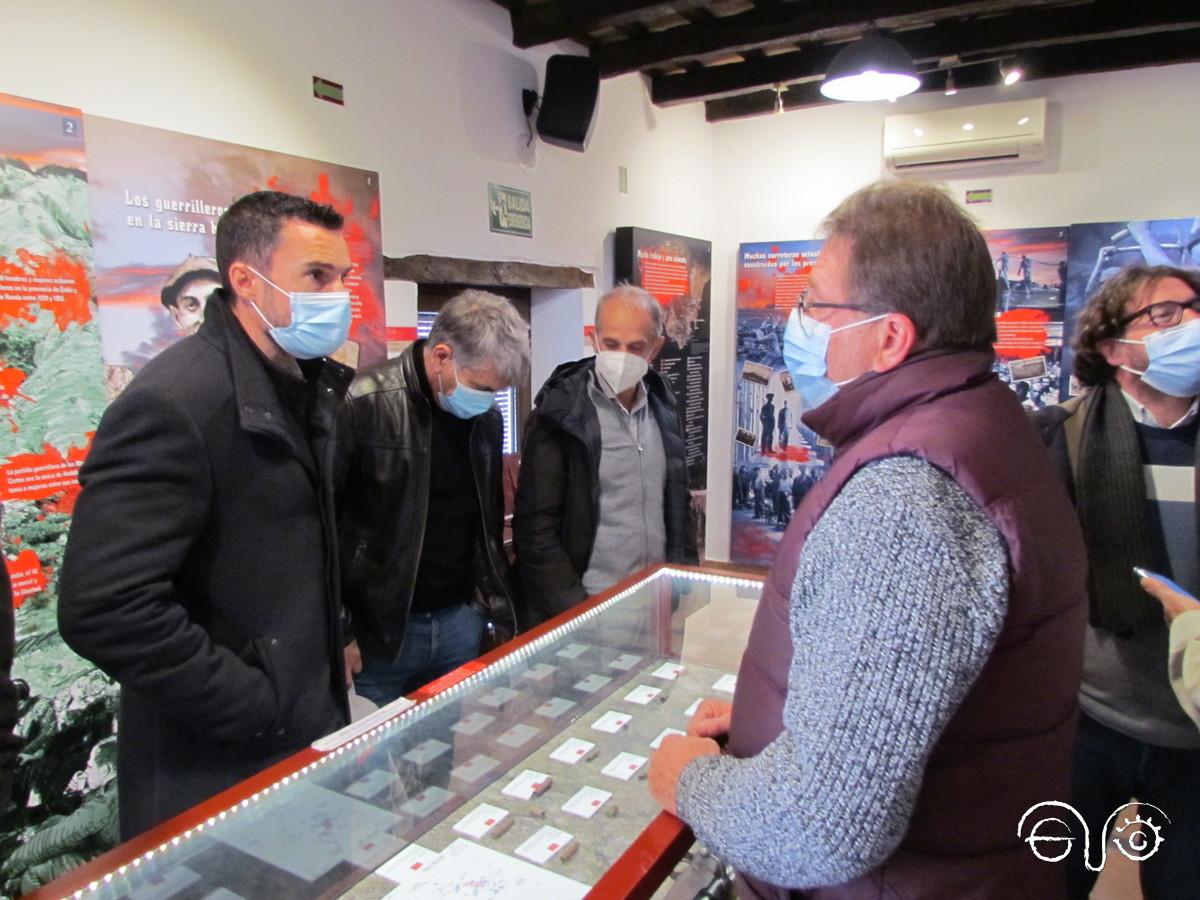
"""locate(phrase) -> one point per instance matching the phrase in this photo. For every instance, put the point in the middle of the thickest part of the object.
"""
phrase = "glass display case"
(521, 774)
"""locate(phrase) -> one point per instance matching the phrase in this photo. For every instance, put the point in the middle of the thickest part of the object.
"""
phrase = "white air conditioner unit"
(1013, 132)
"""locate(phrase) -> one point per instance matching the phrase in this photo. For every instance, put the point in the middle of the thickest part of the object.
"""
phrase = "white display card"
(625, 662)
(426, 752)
(545, 843)
(624, 766)
(497, 697)
(472, 723)
(586, 802)
(572, 751)
(527, 785)
(539, 673)
(411, 859)
(612, 722)
(518, 736)
(642, 694)
(573, 651)
(426, 802)
(668, 671)
(726, 683)
(371, 784)
(554, 707)
(592, 683)
(479, 821)
(474, 768)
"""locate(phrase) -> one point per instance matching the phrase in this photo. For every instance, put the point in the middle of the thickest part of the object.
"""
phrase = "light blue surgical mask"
(1174, 354)
(464, 402)
(804, 347)
(320, 321)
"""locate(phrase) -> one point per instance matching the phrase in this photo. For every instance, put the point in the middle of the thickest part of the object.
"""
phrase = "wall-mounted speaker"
(569, 101)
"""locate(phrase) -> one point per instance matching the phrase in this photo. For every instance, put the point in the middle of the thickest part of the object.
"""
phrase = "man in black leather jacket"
(420, 499)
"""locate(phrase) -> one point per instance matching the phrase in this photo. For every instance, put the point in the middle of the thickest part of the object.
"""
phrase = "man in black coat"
(603, 488)
(420, 498)
(201, 568)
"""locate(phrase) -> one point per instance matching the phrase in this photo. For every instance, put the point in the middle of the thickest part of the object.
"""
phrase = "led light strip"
(421, 710)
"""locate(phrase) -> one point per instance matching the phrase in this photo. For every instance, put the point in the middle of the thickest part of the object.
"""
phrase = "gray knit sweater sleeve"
(899, 597)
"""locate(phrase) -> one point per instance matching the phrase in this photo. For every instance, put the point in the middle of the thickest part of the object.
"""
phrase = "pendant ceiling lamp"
(872, 68)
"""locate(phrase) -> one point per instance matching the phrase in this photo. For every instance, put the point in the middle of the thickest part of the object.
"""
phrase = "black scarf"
(1110, 491)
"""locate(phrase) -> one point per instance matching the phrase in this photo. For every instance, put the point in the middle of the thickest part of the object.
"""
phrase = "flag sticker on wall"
(331, 91)
(980, 196)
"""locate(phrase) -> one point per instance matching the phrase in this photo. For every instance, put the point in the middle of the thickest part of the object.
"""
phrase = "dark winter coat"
(200, 572)
(383, 460)
(558, 496)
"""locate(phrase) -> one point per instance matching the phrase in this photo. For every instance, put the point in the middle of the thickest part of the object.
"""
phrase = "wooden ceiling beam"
(1160, 49)
(766, 25)
(1105, 20)
(556, 20)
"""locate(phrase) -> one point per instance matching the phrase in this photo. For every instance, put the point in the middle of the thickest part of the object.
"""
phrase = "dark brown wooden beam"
(555, 20)
(757, 27)
(425, 269)
(1162, 49)
(1022, 31)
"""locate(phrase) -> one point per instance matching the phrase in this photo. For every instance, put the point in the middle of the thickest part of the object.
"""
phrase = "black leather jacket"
(382, 472)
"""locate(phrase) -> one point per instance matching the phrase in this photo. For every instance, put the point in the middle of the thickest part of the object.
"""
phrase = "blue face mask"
(804, 349)
(464, 402)
(1174, 360)
(320, 321)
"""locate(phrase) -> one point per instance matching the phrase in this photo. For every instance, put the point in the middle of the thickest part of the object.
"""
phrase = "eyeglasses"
(806, 303)
(1163, 314)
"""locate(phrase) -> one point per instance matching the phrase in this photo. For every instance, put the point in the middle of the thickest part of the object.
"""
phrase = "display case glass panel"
(523, 774)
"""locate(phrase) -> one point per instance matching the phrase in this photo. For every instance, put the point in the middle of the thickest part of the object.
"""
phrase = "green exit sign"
(510, 211)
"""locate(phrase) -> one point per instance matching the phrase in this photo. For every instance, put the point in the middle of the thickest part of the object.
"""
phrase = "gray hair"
(484, 329)
(917, 252)
(639, 297)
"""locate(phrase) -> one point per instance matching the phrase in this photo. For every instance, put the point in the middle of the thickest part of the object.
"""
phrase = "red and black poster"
(677, 271)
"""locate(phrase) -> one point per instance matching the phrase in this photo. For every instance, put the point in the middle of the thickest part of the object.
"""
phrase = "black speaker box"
(569, 101)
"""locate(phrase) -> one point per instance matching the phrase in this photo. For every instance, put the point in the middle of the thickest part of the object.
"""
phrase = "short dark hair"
(1099, 320)
(914, 251)
(249, 229)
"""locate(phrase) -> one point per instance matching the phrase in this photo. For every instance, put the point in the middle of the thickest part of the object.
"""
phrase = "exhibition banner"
(156, 197)
(52, 396)
(677, 270)
(1031, 326)
(776, 458)
(106, 259)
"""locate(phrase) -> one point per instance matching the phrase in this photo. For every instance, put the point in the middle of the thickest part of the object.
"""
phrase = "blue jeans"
(1110, 768)
(434, 643)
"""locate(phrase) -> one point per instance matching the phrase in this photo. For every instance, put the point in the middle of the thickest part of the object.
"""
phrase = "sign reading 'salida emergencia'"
(510, 211)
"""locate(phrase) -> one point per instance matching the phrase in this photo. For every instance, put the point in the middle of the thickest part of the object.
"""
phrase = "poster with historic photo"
(776, 459)
(677, 271)
(156, 197)
(1031, 324)
(1098, 250)
(51, 397)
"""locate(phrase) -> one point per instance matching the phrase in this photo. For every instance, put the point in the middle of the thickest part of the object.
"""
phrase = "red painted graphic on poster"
(1021, 333)
(27, 576)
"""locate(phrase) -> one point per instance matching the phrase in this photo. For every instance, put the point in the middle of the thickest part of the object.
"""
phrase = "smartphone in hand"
(1146, 573)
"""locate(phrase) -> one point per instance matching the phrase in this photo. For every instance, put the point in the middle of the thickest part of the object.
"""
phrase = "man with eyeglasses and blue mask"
(421, 498)
(1127, 450)
(200, 571)
(909, 686)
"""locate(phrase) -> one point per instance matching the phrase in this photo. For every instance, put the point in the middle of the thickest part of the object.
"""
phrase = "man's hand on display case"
(353, 661)
(711, 719)
(669, 761)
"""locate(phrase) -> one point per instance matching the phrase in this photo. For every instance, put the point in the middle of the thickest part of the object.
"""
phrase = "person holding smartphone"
(1183, 661)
